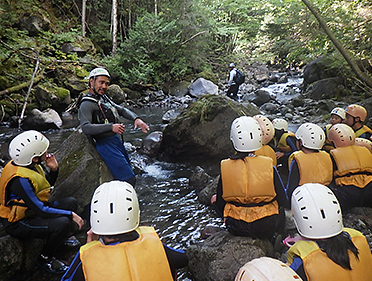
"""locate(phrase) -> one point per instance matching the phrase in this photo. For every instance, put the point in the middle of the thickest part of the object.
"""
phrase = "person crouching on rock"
(24, 208)
(250, 193)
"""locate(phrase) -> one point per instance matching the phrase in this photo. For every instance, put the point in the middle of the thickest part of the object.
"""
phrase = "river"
(167, 201)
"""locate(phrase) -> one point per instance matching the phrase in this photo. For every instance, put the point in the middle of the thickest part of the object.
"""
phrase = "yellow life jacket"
(248, 188)
(282, 143)
(314, 167)
(266, 150)
(354, 165)
(138, 260)
(14, 210)
(361, 131)
(318, 267)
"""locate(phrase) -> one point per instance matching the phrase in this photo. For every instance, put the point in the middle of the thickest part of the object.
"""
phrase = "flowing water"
(167, 201)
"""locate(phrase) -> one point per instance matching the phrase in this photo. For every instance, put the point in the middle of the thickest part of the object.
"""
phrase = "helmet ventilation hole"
(323, 214)
(111, 208)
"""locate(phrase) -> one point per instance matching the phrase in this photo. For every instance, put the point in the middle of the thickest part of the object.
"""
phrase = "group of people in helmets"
(251, 197)
(321, 186)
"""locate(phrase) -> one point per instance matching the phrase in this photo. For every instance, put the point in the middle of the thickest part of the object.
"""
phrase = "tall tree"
(114, 22)
(344, 52)
(83, 17)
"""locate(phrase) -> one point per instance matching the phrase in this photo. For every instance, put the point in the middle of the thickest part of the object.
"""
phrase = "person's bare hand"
(51, 162)
(279, 154)
(118, 128)
(77, 219)
(139, 123)
(91, 236)
(213, 199)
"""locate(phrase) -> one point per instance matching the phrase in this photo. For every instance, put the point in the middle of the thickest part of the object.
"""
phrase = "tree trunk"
(114, 21)
(83, 17)
(344, 52)
(156, 7)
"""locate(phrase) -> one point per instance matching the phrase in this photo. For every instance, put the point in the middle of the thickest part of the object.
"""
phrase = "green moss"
(81, 72)
(61, 92)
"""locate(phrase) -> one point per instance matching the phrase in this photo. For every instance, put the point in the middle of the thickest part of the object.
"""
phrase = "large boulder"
(203, 129)
(202, 87)
(318, 69)
(81, 169)
(42, 120)
(219, 257)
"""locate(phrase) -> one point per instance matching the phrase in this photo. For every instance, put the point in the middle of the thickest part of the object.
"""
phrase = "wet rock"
(203, 128)
(259, 97)
(171, 115)
(325, 89)
(202, 87)
(42, 121)
(81, 169)
(200, 179)
(116, 94)
(220, 256)
(151, 144)
(204, 196)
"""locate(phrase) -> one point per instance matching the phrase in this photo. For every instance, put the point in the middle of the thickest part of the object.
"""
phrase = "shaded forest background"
(163, 41)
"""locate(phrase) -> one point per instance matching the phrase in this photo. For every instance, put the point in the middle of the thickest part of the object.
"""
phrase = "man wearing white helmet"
(326, 250)
(117, 247)
(236, 77)
(250, 194)
(24, 207)
(98, 117)
(310, 163)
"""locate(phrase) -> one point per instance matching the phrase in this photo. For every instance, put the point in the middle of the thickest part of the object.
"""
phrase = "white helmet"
(341, 135)
(364, 142)
(26, 146)
(340, 112)
(266, 269)
(280, 124)
(114, 209)
(99, 71)
(246, 134)
(311, 135)
(316, 211)
(267, 128)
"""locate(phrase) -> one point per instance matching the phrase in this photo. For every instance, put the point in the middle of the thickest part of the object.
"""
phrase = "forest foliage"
(166, 40)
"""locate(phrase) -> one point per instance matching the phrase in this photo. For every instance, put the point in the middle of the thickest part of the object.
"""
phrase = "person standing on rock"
(355, 116)
(250, 194)
(232, 86)
(117, 247)
(24, 208)
(325, 250)
(98, 117)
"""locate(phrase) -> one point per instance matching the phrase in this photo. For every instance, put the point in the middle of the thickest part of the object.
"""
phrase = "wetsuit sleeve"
(298, 266)
(293, 179)
(75, 270)
(220, 202)
(176, 258)
(125, 112)
(22, 188)
(85, 113)
(291, 141)
(279, 190)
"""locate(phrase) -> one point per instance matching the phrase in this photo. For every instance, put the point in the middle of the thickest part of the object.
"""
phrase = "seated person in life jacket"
(337, 116)
(309, 164)
(250, 193)
(24, 207)
(355, 116)
(268, 133)
(266, 269)
(117, 247)
(326, 250)
(364, 142)
(284, 143)
(352, 166)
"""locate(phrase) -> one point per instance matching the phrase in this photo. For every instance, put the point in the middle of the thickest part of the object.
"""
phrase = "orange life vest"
(14, 210)
(354, 165)
(314, 167)
(318, 267)
(361, 131)
(138, 260)
(248, 188)
(266, 150)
